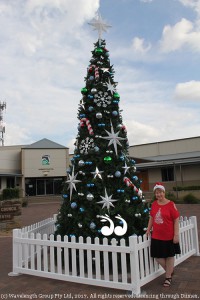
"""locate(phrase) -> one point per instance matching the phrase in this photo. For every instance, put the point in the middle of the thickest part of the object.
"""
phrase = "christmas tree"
(102, 195)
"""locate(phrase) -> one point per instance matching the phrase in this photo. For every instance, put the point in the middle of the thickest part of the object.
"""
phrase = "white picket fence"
(119, 265)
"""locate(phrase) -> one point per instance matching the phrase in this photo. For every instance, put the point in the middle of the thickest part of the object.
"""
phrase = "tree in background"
(102, 195)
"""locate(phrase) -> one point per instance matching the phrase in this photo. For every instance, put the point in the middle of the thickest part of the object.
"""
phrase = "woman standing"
(164, 219)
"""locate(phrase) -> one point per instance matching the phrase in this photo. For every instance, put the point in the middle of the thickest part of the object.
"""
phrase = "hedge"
(186, 188)
(10, 193)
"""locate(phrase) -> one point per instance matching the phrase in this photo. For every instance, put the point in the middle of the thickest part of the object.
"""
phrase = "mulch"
(185, 285)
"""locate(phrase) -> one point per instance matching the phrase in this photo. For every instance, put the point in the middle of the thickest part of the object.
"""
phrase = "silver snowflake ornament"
(97, 173)
(114, 138)
(86, 145)
(72, 182)
(126, 168)
(102, 99)
(107, 201)
(111, 87)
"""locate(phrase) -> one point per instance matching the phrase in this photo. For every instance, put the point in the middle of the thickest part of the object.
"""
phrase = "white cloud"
(45, 50)
(43, 57)
(138, 45)
(16, 135)
(140, 133)
(184, 33)
(175, 37)
(188, 91)
(194, 4)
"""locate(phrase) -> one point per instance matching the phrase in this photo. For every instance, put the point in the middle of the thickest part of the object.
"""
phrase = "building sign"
(10, 216)
(45, 160)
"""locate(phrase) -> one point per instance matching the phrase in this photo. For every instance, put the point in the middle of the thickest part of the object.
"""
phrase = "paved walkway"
(186, 281)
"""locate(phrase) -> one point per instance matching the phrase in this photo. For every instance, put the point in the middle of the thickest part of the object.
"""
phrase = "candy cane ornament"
(130, 184)
(96, 71)
(87, 122)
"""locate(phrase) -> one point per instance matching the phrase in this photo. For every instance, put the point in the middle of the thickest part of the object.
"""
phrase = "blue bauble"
(134, 198)
(82, 116)
(135, 178)
(73, 205)
(90, 108)
(81, 209)
(96, 149)
(114, 113)
(65, 196)
(91, 78)
(117, 174)
(71, 235)
(92, 225)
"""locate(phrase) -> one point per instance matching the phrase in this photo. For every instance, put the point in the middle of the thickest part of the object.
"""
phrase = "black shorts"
(163, 249)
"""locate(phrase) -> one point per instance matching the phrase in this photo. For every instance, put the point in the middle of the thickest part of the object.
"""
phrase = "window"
(10, 182)
(167, 174)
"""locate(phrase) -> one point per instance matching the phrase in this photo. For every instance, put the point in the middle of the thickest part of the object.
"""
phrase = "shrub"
(187, 188)
(24, 202)
(170, 196)
(190, 199)
(10, 193)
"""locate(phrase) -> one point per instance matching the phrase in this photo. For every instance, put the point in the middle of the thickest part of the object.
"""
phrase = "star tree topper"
(114, 138)
(107, 201)
(72, 182)
(100, 25)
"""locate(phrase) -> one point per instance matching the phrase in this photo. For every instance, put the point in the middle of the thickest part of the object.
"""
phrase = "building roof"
(168, 141)
(171, 159)
(45, 144)
(10, 174)
(195, 154)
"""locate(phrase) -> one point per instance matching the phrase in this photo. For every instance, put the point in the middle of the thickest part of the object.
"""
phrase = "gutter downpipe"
(175, 177)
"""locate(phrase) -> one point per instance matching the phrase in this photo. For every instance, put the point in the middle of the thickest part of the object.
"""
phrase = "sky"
(45, 49)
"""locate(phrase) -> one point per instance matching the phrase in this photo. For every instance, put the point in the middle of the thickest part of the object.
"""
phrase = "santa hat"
(160, 186)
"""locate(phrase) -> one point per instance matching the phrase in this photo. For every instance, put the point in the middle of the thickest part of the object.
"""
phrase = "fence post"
(195, 235)
(134, 262)
(55, 220)
(16, 234)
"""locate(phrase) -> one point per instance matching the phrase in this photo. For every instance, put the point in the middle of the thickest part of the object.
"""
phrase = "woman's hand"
(176, 238)
(148, 233)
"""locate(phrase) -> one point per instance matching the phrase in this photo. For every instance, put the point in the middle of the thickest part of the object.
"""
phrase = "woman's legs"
(162, 262)
(167, 264)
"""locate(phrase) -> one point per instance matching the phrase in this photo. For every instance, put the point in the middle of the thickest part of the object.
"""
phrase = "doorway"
(42, 187)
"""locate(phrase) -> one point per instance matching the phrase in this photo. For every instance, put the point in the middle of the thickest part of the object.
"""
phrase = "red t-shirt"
(163, 220)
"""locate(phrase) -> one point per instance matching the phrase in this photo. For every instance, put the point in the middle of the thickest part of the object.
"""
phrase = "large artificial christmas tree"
(102, 195)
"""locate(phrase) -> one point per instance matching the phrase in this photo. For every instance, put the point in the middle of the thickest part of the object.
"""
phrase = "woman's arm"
(176, 231)
(150, 224)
